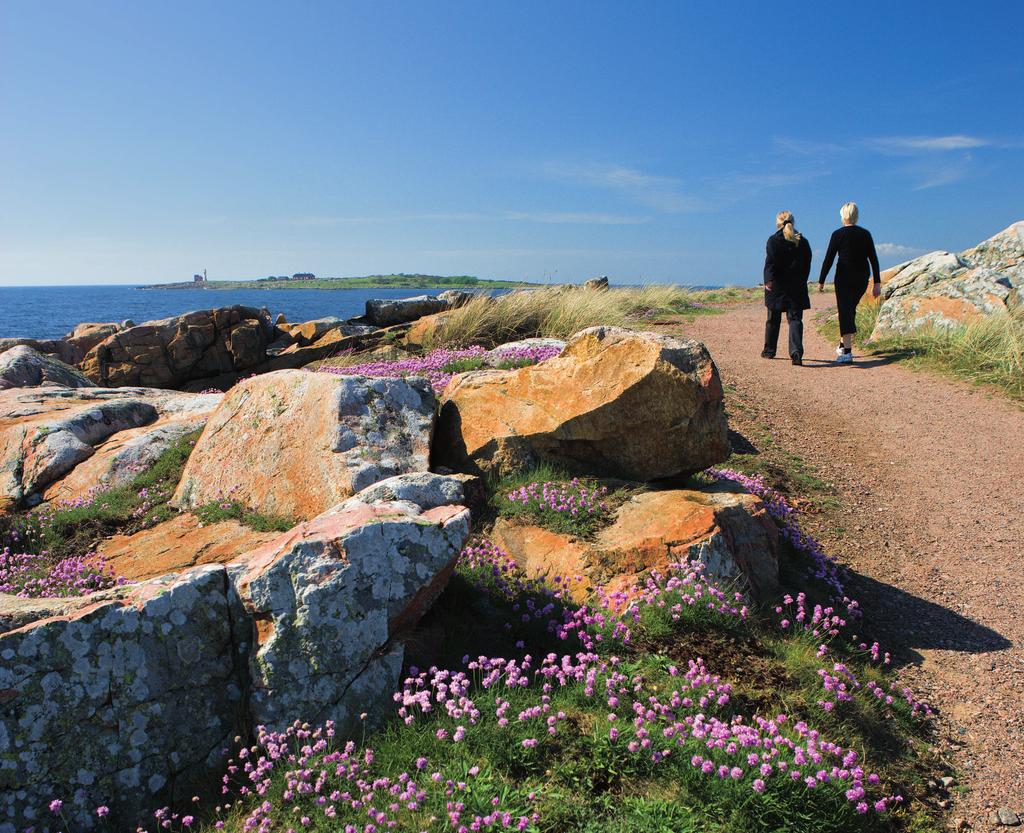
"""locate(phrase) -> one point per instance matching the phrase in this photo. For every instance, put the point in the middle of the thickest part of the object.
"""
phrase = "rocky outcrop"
(128, 697)
(126, 700)
(23, 367)
(309, 332)
(71, 348)
(945, 290)
(386, 312)
(295, 443)
(172, 351)
(177, 545)
(59, 443)
(599, 284)
(728, 533)
(327, 598)
(634, 405)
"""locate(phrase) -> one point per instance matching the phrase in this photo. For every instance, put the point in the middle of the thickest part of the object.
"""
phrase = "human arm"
(769, 264)
(872, 257)
(830, 256)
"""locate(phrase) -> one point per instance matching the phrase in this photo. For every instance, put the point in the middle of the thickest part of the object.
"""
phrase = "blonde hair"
(849, 213)
(784, 221)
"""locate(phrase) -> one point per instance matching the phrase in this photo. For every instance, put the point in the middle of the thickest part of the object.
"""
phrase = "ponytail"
(784, 221)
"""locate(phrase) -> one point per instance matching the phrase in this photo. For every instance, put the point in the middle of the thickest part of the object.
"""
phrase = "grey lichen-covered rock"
(61, 443)
(128, 697)
(386, 312)
(423, 489)
(124, 702)
(946, 290)
(24, 367)
(328, 597)
(296, 443)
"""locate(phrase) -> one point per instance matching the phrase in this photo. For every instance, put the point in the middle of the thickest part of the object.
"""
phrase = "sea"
(52, 311)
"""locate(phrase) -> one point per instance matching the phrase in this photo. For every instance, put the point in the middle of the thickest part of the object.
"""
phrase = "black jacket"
(856, 252)
(786, 267)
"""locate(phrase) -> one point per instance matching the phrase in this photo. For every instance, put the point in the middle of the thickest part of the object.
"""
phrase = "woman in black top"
(787, 264)
(856, 252)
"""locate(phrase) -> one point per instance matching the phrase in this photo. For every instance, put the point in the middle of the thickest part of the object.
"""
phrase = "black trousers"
(795, 318)
(849, 291)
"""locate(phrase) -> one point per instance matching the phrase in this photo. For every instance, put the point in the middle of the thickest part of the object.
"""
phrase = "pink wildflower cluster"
(572, 498)
(34, 575)
(826, 569)
(342, 787)
(685, 585)
(438, 366)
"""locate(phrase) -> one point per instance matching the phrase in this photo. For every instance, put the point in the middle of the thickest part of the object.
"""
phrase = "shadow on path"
(909, 623)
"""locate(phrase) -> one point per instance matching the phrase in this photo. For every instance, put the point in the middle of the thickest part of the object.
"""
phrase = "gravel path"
(930, 474)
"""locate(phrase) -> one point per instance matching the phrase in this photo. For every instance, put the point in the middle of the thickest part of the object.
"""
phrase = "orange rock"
(295, 443)
(178, 544)
(616, 402)
(729, 532)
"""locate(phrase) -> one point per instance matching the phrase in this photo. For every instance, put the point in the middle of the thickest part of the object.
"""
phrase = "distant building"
(303, 276)
(199, 278)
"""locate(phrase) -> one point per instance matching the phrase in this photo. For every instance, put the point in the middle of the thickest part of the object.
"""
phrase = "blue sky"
(141, 142)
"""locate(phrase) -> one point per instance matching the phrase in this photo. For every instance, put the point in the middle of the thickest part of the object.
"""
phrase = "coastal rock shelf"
(132, 693)
(60, 443)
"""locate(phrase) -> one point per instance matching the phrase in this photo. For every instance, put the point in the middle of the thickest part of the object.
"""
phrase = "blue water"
(52, 311)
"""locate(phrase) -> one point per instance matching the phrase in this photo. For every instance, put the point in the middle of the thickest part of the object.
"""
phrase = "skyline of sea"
(52, 311)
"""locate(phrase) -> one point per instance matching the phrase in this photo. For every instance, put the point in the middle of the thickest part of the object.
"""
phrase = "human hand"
(768, 286)
(821, 287)
(876, 290)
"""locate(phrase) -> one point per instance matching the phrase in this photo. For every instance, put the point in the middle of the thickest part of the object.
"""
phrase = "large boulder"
(24, 367)
(640, 406)
(61, 444)
(125, 699)
(728, 533)
(386, 312)
(128, 697)
(172, 351)
(327, 598)
(295, 443)
(946, 290)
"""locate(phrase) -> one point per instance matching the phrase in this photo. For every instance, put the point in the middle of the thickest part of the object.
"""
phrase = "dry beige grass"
(561, 311)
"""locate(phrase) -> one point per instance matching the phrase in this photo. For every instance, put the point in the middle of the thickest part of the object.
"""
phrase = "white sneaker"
(844, 358)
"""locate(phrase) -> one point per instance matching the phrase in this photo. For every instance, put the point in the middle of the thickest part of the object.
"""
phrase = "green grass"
(582, 525)
(232, 510)
(65, 531)
(987, 351)
(580, 781)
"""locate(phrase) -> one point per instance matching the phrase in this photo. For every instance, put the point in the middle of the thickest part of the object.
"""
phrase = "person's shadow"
(862, 362)
(903, 622)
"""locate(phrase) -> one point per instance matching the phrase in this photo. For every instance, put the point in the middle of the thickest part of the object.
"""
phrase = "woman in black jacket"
(787, 264)
(855, 249)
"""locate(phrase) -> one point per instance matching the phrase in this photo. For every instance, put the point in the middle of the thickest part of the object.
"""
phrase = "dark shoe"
(797, 361)
(766, 355)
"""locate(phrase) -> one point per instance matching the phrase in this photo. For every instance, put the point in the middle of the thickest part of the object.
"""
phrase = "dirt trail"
(930, 474)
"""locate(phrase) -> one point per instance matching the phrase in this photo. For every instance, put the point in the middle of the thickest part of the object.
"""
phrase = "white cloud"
(915, 144)
(660, 193)
(897, 250)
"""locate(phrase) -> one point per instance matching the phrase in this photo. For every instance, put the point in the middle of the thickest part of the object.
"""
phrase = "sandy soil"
(930, 475)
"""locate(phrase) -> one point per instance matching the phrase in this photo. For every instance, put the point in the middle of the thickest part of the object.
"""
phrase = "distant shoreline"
(368, 282)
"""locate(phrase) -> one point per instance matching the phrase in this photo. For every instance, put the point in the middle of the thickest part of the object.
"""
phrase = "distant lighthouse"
(199, 278)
